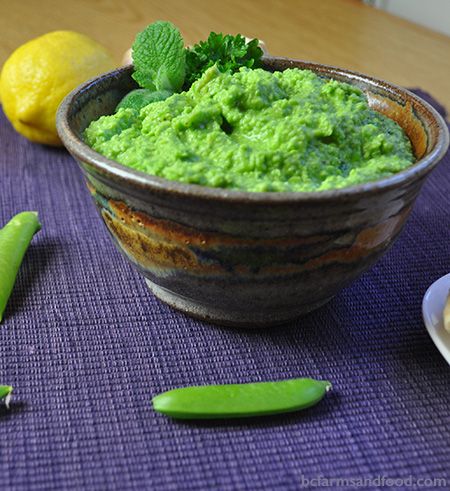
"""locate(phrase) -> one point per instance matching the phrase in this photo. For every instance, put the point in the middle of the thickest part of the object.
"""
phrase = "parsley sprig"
(227, 52)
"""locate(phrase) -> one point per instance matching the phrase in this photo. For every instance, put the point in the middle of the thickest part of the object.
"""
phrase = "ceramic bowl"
(251, 259)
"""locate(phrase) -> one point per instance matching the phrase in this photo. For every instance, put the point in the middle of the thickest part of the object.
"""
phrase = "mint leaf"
(139, 98)
(159, 57)
(227, 52)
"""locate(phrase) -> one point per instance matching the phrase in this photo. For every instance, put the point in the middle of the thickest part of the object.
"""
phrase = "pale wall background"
(434, 14)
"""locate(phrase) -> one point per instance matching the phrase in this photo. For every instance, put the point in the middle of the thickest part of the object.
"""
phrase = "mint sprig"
(139, 98)
(159, 57)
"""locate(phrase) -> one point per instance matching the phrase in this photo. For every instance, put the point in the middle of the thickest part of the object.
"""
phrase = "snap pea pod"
(5, 393)
(241, 400)
(15, 238)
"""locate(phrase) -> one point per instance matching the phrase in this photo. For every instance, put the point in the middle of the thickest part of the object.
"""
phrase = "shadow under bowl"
(251, 259)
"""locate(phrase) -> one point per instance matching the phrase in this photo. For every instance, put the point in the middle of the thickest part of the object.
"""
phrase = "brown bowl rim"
(113, 169)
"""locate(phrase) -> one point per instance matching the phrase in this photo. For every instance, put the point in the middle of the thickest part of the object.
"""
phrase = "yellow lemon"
(40, 73)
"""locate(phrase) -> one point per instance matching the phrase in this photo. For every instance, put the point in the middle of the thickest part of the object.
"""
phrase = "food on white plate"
(446, 314)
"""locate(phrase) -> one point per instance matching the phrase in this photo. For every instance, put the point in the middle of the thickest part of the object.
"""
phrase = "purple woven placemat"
(86, 346)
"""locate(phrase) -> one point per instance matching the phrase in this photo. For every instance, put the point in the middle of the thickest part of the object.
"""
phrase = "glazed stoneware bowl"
(251, 259)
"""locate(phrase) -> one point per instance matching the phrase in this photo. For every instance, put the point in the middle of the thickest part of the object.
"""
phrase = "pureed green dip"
(257, 131)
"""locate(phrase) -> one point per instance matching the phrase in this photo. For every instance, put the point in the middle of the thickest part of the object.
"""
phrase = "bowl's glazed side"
(247, 261)
(249, 270)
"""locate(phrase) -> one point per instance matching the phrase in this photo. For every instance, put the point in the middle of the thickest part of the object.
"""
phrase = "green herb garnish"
(227, 52)
(159, 57)
(162, 63)
(139, 98)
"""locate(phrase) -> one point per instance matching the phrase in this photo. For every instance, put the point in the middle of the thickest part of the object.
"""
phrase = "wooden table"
(345, 33)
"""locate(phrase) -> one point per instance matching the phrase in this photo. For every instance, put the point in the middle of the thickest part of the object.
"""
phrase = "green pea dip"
(255, 130)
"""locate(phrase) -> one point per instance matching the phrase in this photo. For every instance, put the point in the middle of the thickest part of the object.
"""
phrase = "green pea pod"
(5, 393)
(241, 400)
(15, 238)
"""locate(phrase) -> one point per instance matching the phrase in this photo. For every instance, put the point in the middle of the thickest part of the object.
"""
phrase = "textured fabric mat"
(86, 345)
